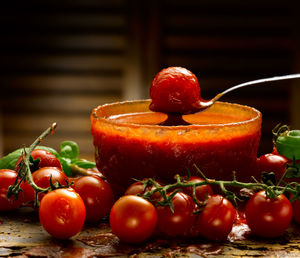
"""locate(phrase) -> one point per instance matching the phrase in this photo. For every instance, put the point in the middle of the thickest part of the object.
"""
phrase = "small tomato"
(268, 217)
(133, 219)
(62, 213)
(97, 196)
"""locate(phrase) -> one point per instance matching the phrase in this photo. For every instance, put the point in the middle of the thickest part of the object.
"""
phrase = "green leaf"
(69, 149)
(288, 144)
(9, 161)
(84, 164)
(66, 163)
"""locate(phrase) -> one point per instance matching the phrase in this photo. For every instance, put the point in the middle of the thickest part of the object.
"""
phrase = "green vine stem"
(271, 190)
(24, 173)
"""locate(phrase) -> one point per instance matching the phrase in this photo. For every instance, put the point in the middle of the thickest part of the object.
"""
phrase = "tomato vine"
(267, 184)
(24, 173)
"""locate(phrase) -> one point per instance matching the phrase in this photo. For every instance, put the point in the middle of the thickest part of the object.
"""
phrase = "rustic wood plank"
(22, 234)
(223, 21)
(64, 62)
(226, 42)
(63, 104)
(65, 83)
(74, 42)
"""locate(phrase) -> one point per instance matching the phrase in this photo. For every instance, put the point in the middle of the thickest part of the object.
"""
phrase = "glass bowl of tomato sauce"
(130, 143)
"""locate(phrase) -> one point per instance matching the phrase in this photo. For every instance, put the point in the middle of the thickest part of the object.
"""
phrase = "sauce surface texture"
(129, 145)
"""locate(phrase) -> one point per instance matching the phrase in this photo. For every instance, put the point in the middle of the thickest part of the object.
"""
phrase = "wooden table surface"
(21, 235)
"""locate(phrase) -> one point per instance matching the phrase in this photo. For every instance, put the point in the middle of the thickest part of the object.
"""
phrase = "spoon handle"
(276, 78)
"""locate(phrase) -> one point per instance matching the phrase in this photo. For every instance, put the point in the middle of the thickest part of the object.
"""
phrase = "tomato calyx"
(24, 173)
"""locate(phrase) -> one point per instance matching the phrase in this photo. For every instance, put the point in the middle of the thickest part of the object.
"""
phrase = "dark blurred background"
(60, 59)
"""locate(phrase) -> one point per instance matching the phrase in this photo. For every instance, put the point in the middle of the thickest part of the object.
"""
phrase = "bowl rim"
(94, 115)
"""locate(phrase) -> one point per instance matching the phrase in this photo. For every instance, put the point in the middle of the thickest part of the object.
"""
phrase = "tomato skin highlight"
(7, 178)
(215, 221)
(62, 213)
(97, 196)
(179, 222)
(46, 159)
(268, 217)
(175, 89)
(133, 219)
(41, 178)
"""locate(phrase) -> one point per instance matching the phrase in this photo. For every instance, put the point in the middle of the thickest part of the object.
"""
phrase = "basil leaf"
(66, 165)
(85, 164)
(69, 150)
(9, 161)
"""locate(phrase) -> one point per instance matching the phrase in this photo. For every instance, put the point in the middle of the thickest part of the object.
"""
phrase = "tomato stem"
(24, 173)
(272, 191)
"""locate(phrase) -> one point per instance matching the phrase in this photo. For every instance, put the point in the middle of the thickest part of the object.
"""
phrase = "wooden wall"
(60, 59)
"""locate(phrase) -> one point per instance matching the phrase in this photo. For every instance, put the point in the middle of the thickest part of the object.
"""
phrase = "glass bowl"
(129, 143)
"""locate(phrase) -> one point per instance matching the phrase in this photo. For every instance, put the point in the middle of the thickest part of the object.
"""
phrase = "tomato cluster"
(211, 216)
(63, 211)
(182, 217)
(189, 212)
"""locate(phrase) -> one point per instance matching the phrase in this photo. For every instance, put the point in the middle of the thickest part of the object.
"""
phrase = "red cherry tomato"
(296, 210)
(175, 90)
(44, 159)
(202, 191)
(137, 188)
(62, 213)
(268, 217)
(133, 219)
(216, 220)
(41, 178)
(97, 196)
(7, 178)
(179, 222)
(272, 163)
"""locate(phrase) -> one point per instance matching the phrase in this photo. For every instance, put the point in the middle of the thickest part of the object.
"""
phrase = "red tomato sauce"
(124, 154)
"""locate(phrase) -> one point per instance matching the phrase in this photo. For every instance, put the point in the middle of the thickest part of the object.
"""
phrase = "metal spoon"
(203, 104)
(176, 118)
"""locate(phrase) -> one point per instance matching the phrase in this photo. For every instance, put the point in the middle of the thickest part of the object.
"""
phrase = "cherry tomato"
(7, 178)
(41, 178)
(175, 89)
(272, 163)
(41, 158)
(202, 191)
(296, 210)
(97, 196)
(137, 188)
(133, 219)
(179, 222)
(62, 213)
(216, 220)
(268, 217)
